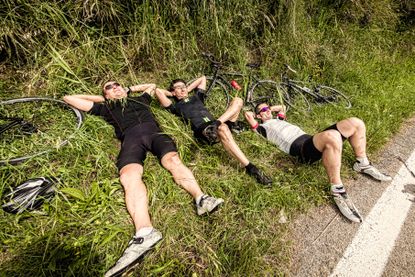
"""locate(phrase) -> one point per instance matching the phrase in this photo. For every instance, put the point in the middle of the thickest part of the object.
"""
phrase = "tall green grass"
(364, 48)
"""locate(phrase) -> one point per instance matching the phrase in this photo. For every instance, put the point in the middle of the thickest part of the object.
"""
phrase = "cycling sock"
(250, 167)
(199, 198)
(363, 161)
(337, 188)
(217, 123)
(143, 231)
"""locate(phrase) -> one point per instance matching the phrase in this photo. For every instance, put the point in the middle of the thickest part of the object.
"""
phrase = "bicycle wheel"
(333, 96)
(267, 91)
(296, 99)
(43, 125)
(217, 96)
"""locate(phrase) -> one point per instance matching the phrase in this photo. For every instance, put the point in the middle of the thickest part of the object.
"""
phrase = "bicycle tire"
(267, 91)
(55, 122)
(217, 96)
(333, 96)
(296, 98)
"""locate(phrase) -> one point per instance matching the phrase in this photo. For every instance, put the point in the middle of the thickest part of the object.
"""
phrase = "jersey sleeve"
(201, 93)
(146, 98)
(172, 109)
(96, 109)
(262, 131)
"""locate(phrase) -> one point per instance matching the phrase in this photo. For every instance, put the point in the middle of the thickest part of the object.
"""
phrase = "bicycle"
(256, 91)
(33, 126)
(320, 94)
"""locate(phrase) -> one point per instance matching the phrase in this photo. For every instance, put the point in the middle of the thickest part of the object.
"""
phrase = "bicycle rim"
(217, 99)
(297, 100)
(54, 121)
(267, 91)
(333, 96)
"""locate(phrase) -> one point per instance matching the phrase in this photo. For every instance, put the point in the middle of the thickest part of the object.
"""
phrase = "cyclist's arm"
(145, 88)
(278, 109)
(198, 83)
(83, 102)
(250, 117)
(161, 95)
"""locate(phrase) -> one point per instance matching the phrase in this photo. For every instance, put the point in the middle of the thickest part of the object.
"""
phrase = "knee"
(129, 178)
(238, 102)
(171, 160)
(357, 123)
(333, 139)
(224, 132)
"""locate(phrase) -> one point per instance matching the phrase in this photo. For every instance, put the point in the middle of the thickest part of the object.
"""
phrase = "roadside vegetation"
(53, 48)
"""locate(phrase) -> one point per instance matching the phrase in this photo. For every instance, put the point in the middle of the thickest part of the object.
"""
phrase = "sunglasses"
(264, 109)
(179, 87)
(110, 86)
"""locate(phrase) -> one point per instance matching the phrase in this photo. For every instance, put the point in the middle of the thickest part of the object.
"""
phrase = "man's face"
(264, 112)
(114, 91)
(180, 90)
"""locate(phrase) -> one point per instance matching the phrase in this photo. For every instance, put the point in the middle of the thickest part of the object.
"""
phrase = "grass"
(57, 48)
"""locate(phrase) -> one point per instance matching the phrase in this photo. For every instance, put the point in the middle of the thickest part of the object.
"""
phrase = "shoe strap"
(137, 240)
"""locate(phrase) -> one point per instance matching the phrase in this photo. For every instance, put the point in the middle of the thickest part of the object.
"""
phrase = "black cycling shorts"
(334, 127)
(303, 147)
(198, 133)
(140, 139)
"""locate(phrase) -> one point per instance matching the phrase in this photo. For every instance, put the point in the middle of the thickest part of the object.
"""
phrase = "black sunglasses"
(110, 86)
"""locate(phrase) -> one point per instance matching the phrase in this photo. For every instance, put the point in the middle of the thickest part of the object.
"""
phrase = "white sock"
(143, 231)
(198, 199)
(337, 188)
(363, 161)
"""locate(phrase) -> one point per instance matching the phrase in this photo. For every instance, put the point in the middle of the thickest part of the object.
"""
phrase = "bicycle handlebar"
(211, 58)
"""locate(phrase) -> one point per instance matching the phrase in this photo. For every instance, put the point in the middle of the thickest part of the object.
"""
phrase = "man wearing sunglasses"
(326, 145)
(205, 127)
(139, 133)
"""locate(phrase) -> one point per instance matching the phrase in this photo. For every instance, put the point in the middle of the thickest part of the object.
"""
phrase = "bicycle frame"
(221, 76)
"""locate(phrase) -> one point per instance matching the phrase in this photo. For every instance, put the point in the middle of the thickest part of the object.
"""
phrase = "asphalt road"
(321, 237)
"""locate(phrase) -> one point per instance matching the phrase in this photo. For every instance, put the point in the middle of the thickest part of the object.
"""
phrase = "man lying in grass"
(205, 128)
(139, 133)
(326, 145)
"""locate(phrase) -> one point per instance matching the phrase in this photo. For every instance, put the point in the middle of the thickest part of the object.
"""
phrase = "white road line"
(369, 251)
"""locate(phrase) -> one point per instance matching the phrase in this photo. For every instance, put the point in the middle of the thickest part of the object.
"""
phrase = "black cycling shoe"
(259, 176)
(211, 133)
(238, 127)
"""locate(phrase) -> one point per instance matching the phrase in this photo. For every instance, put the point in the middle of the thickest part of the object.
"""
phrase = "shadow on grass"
(53, 257)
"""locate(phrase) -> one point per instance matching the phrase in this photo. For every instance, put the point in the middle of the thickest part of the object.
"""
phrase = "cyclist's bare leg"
(181, 174)
(230, 145)
(354, 130)
(135, 194)
(232, 113)
(330, 144)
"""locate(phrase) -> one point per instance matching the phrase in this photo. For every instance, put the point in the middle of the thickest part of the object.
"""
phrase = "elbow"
(67, 98)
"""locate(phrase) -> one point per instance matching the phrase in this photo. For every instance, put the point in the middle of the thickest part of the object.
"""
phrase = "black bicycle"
(33, 126)
(256, 91)
(298, 93)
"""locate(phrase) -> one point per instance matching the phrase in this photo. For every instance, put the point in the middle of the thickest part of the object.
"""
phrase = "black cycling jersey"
(125, 113)
(192, 109)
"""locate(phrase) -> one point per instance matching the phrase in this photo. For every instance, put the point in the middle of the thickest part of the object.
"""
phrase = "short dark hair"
(174, 82)
(257, 107)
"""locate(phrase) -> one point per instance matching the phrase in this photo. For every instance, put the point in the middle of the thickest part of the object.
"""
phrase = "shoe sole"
(368, 175)
(134, 263)
(349, 210)
(212, 210)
